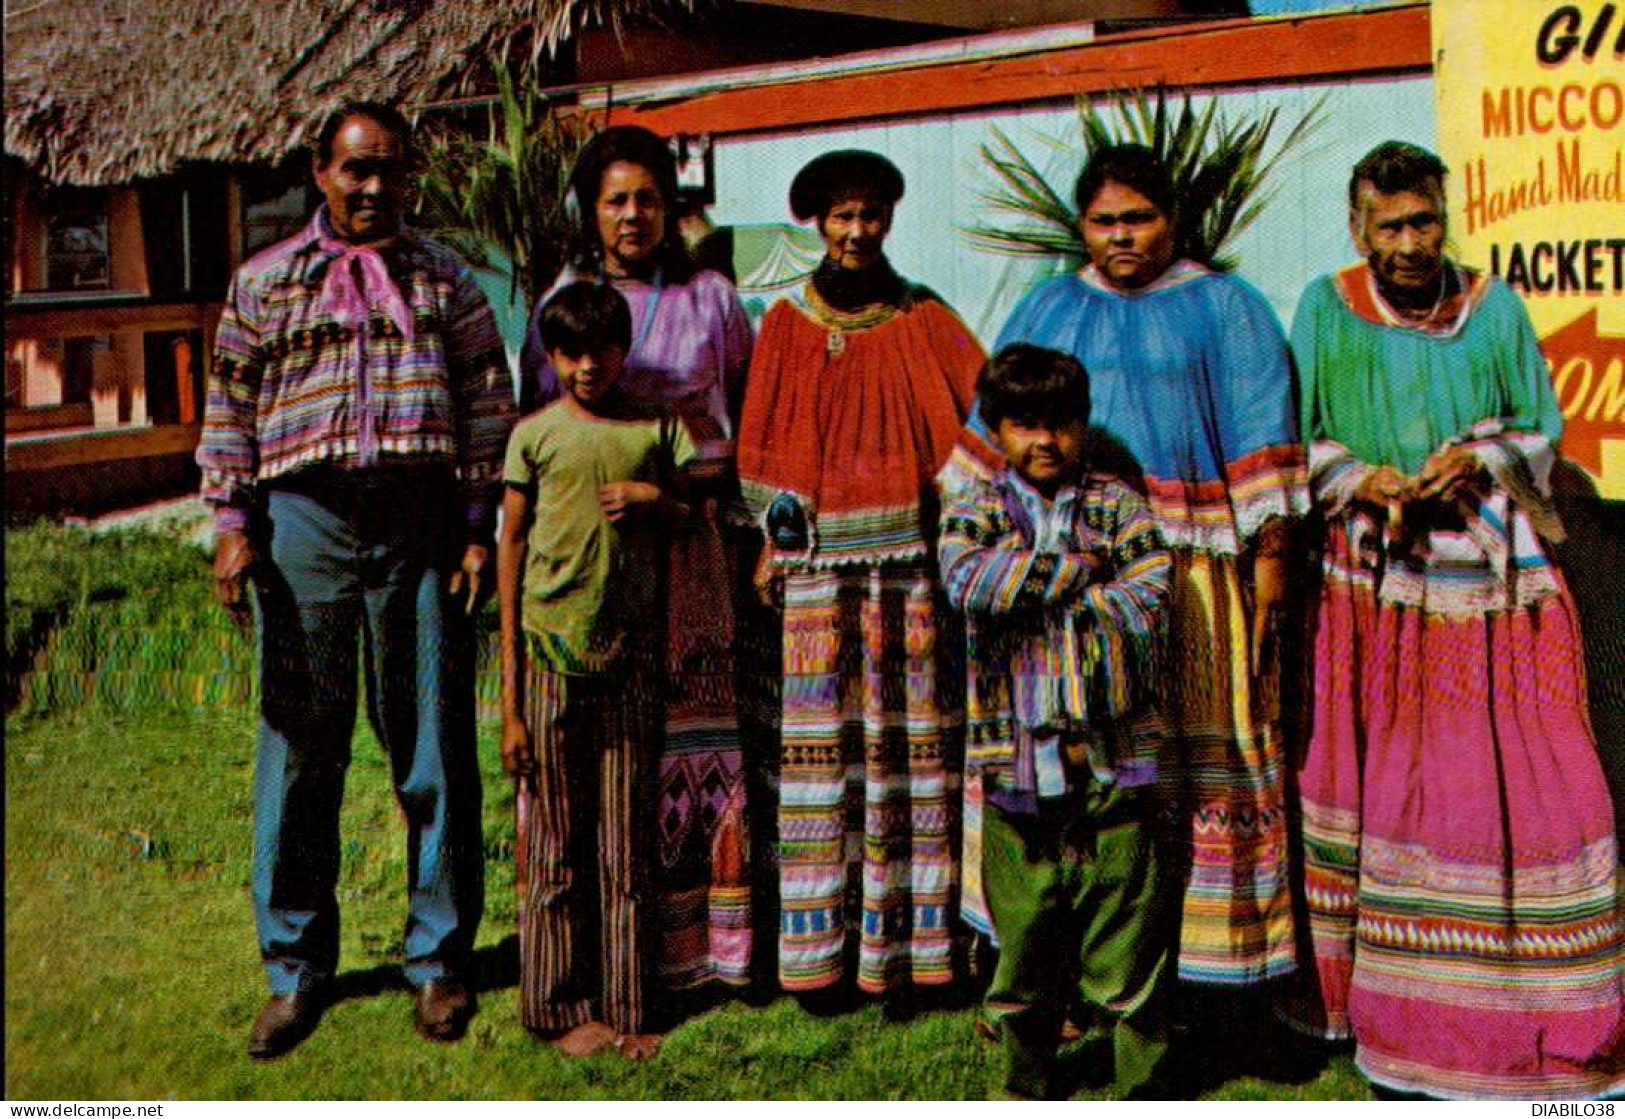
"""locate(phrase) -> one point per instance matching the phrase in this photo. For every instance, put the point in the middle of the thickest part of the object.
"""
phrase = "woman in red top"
(858, 388)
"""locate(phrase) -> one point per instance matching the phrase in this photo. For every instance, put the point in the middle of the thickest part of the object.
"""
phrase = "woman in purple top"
(691, 346)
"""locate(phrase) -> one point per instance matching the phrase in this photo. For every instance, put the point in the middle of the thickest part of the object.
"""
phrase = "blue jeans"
(363, 559)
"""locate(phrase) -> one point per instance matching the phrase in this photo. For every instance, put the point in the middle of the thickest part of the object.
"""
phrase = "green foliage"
(1219, 169)
(507, 191)
(116, 622)
(125, 622)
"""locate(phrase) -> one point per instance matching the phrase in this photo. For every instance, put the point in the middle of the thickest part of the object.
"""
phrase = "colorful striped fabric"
(704, 900)
(1460, 852)
(582, 860)
(292, 386)
(852, 414)
(1050, 649)
(1052, 660)
(869, 778)
(1226, 769)
(1191, 393)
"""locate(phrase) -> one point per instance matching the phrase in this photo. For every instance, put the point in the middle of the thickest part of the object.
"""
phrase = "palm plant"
(508, 192)
(1219, 168)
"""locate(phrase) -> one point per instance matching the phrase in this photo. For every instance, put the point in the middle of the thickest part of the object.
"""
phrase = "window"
(16, 372)
(174, 375)
(77, 250)
(277, 202)
(183, 226)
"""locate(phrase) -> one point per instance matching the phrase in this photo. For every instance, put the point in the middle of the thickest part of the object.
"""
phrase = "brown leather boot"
(284, 1022)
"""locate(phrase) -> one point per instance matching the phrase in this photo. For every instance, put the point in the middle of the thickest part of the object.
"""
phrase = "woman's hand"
(1384, 487)
(1446, 472)
(617, 499)
(768, 580)
(1272, 560)
(1269, 610)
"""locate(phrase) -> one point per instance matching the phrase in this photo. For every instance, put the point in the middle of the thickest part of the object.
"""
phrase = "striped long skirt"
(586, 947)
(1460, 851)
(871, 755)
(1226, 775)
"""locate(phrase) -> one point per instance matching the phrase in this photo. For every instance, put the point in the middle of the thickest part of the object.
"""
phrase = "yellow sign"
(1531, 101)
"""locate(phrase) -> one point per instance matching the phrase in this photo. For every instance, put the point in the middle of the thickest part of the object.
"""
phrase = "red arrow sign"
(1588, 374)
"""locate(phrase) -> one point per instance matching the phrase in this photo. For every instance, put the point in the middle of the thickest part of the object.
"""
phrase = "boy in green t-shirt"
(579, 588)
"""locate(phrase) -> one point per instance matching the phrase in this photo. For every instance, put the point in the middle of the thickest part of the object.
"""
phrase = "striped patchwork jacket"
(1062, 653)
(292, 386)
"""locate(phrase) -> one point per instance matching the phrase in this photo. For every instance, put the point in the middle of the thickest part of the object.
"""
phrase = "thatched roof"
(104, 91)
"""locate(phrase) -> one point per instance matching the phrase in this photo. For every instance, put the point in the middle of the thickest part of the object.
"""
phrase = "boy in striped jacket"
(1064, 583)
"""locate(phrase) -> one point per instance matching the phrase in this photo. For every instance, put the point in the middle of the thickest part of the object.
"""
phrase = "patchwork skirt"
(870, 769)
(1460, 854)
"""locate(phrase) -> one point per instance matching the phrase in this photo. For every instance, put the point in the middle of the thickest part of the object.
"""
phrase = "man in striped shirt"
(357, 412)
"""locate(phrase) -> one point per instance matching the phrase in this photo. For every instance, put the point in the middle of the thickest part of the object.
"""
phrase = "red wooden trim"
(1227, 53)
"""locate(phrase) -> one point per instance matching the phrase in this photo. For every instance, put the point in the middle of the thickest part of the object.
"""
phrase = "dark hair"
(386, 116)
(586, 317)
(1394, 167)
(629, 143)
(842, 174)
(1132, 165)
(1031, 384)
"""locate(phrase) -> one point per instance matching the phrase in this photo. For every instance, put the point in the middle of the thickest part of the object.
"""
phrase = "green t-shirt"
(589, 585)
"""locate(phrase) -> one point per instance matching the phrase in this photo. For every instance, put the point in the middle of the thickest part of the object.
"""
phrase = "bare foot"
(638, 1047)
(586, 1039)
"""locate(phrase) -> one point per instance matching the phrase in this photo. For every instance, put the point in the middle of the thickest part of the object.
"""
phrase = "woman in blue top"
(1192, 393)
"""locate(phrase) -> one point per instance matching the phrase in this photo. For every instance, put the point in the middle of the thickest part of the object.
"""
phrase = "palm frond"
(1219, 169)
(509, 191)
(1023, 192)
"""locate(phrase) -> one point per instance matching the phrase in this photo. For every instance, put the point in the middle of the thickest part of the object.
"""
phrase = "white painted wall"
(1302, 234)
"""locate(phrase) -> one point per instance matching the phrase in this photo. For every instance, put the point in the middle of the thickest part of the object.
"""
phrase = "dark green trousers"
(1082, 919)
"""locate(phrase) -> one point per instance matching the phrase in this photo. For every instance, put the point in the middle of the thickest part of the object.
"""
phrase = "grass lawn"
(131, 970)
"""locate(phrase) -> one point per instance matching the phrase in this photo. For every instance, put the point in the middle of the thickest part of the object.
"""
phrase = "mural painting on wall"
(1531, 107)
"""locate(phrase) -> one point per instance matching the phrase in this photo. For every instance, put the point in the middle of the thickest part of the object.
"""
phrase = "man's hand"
(518, 754)
(470, 576)
(617, 499)
(233, 564)
(1446, 472)
(768, 580)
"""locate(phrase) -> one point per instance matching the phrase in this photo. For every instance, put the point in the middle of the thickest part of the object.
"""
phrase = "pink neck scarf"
(356, 279)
